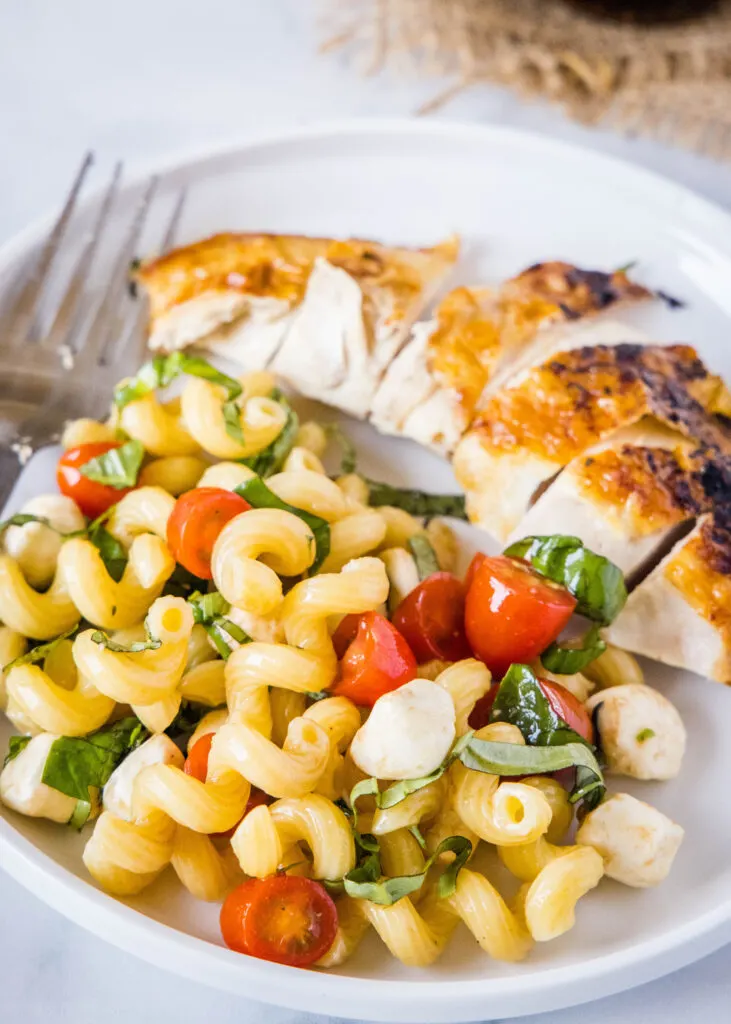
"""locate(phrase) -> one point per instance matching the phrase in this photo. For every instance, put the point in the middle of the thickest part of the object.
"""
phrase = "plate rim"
(419, 1000)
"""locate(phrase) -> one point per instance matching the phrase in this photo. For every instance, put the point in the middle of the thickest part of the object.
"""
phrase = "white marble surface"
(141, 80)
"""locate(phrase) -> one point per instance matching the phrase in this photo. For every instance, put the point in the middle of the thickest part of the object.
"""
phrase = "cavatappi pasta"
(211, 609)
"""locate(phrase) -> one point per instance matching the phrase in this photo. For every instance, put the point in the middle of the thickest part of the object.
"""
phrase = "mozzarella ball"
(119, 789)
(408, 734)
(21, 787)
(642, 733)
(35, 546)
(637, 842)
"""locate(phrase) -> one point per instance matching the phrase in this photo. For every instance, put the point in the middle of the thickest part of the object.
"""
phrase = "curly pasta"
(176, 474)
(158, 427)
(239, 571)
(36, 615)
(550, 901)
(144, 510)
(261, 419)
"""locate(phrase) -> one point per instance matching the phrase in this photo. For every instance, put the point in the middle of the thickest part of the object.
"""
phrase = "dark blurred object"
(646, 11)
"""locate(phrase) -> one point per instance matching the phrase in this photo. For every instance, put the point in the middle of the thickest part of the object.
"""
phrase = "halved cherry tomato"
(92, 498)
(196, 764)
(285, 918)
(377, 661)
(512, 613)
(345, 633)
(431, 618)
(195, 523)
(564, 703)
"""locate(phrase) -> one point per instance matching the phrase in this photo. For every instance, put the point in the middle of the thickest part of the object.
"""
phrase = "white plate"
(515, 199)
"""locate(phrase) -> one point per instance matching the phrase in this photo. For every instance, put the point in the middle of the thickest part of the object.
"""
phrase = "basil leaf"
(521, 701)
(258, 495)
(76, 764)
(400, 790)
(81, 814)
(118, 468)
(112, 552)
(222, 631)
(644, 734)
(232, 420)
(566, 660)
(424, 555)
(150, 644)
(163, 370)
(21, 518)
(418, 503)
(416, 833)
(207, 607)
(38, 653)
(364, 881)
(15, 745)
(498, 759)
(596, 583)
(366, 787)
(318, 695)
(271, 459)
(348, 454)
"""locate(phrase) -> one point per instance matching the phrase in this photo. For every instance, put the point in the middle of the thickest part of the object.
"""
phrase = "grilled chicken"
(527, 432)
(681, 613)
(626, 496)
(328, 315)
(433, 388)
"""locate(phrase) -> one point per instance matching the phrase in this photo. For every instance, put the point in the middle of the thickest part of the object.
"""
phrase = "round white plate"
(515, 199)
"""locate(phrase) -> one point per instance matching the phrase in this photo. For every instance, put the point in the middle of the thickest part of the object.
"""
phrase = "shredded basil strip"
(271, 459)
(77, 764)
(150, 644)
(113, 554)
(22, 518)
(567, 659)
(161, 371)
(416, 833)
(424, 555)
(364, 881)
(348, 454)
(81, 814)
(206, 607)
(418, 503)
(118, 468)
(232, 420)
(317, 695)
(258, 495)
(596, 583)
(38, 653)
(16, 744)
(222, 631)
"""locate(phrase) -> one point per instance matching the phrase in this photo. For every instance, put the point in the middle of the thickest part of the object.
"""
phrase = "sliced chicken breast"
(433, 388)
(681, 613)
(330, 315)
(528, 432)
(626, 496)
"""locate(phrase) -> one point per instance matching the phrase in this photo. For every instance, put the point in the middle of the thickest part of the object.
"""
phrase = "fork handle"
(10, 469)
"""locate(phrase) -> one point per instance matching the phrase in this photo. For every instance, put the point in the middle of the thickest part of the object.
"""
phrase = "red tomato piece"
(285, 918)
(377, 661)
(431, 618)
(196, 764)
(345, 633)
(564, 703)
(195, 523)
(512, 613)
(92, 498)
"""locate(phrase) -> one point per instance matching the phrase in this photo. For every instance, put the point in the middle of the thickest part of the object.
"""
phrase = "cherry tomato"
(377, 661)
(92, 498)
(431, 618)
(345, 633)
(285, 918)
(563, 702)
(512, 613)
(195, 523)
(196, 764)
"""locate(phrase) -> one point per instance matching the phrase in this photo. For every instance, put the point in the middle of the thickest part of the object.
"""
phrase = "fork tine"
(24, 307)
(68, 318)
(105, 322)
(125, 349)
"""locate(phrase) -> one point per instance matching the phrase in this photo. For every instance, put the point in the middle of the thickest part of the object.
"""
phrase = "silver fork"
(48, 376)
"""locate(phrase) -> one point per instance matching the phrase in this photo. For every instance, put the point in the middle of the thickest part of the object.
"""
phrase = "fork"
(40, 389)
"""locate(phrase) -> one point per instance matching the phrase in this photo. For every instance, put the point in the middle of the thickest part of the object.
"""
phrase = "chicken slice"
(681, 613)
(626, 496)
(432, 389)
(335, 312)
(527, 432)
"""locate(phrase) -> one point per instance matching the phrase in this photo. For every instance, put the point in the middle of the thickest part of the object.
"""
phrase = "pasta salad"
(224, 661)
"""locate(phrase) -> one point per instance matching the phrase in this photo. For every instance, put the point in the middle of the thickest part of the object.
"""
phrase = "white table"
(139, 80)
